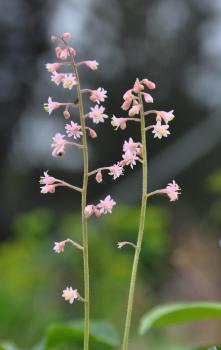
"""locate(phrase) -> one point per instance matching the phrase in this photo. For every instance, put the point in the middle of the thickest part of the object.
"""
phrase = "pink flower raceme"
(58, 144)
(97, 114)
(160, 130)
(70, 294)
(98, 95)
(51, 105)
(74, 130)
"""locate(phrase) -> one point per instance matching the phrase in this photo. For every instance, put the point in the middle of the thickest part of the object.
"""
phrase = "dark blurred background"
(176, 44)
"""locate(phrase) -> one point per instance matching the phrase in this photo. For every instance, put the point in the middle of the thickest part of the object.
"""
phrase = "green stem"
(140, 233)
(83, 205)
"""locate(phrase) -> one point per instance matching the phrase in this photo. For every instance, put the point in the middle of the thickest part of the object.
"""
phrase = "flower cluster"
(104, 207)
(49, 183)
(60, 76)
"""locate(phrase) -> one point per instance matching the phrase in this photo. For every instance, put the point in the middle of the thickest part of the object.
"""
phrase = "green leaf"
(165, 315)
(102, 335)
(8, 346)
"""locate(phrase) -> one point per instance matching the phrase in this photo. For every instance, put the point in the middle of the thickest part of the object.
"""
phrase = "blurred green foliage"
(32, 276)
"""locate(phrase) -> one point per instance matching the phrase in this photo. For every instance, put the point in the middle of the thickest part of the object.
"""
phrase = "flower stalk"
(140, 232)
(83, 205)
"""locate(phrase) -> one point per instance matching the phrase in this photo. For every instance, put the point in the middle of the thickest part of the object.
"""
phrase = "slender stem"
(75, 244)
(63, 183)
(98, 169)
(83, 205)
(140, 233)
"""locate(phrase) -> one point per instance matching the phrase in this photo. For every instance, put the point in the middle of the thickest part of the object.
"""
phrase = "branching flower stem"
(141, 230)
(83, 205)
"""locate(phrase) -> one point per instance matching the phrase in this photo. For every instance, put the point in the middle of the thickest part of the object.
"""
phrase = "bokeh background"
(175, 43)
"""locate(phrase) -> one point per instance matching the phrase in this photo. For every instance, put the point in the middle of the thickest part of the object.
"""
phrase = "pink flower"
(131, 146)
(61, 53)
(116, 170)
(98, 95)
(52, 67)
(47, 179)
(128, 95)
(106, 205)
(70, 294)
(57, 78)
(59, 247)
(118, 122)
(66, 35)
(97, 114)
(69, 81)
(73, 129)
(89, 210)
(58, 145)
(126, 105)
(91, 64)
(172, 190)
(165, 116)
(51, 105)
(129, 159)
(148, 98)
(149, 84)
(135, 109)
(138, 87)
(160, 130)
(48, 189)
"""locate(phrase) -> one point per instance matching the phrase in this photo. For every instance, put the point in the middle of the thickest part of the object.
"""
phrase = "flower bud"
(53, 38)
(88, 211)
(66, 36)
(99, 177)
(92, 133)
(66, 114)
